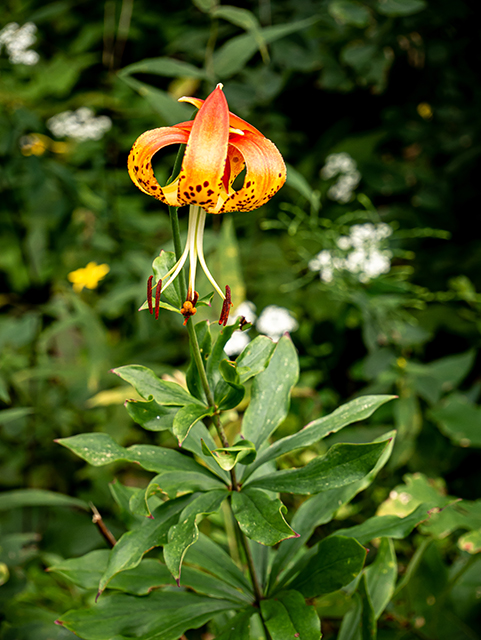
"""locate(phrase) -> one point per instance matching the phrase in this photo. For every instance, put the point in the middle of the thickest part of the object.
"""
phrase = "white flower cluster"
(17, 40)
(361, 253)
(342, 165)
(80, 125)
(273, 322)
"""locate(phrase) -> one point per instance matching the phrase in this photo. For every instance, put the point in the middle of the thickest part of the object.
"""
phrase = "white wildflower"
(337, 163)
(17, 40)
(362, 253)
(274, 321)
(80, 125)
(237, 343)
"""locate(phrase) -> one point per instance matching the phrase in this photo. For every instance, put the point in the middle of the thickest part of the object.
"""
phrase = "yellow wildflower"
(88, 276)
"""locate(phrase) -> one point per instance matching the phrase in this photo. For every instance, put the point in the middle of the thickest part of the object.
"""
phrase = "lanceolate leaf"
(187, 417)
(381, 576)
(99, 449)
(255, 358)
(337, 562)
(354, 411)
(37, 498)
(208, 555)
(342, 465)
(260, 517)
(186, 533)
(162, 615)
(217, 354)
(317, 511)
(271, 394)
(368, 619)
(132, 546)
(389, 526)
(151, 415)
(162, 265)
(288, 616)
(149, 386)
(163, 66)
(238, 627)
(173, 482)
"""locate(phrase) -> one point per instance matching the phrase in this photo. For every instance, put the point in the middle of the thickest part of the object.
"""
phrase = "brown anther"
(195, 297)
(149, 294)
(224, 314)
(188, 310)
(158, 289)
(242, 322)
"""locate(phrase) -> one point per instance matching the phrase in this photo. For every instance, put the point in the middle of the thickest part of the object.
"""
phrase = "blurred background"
(370, 256)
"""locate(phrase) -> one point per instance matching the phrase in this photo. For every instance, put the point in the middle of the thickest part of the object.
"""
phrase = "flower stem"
(199, 362)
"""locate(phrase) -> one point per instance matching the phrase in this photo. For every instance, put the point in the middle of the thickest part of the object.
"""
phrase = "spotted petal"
(234, 121)
(200, 179)
(266, 172)
(140, 161)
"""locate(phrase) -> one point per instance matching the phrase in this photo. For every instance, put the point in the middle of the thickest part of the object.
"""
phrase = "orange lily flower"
(219, 145)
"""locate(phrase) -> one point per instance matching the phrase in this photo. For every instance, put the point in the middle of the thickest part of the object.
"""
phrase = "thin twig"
(97, 519)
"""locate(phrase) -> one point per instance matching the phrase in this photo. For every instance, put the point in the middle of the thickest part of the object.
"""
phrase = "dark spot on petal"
(206, 183)
(198, 188)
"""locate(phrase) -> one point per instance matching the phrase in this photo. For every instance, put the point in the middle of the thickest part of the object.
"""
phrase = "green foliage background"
(316, 78)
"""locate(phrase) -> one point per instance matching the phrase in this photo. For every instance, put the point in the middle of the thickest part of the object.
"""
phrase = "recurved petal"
(266, 172)
(234, 121)
(200, 178)
(140, 161)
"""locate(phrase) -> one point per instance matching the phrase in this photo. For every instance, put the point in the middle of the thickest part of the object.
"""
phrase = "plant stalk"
(198, 359)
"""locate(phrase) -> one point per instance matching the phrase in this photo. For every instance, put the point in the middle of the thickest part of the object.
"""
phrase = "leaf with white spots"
(271, 392)
(260, 517)
(340, 466)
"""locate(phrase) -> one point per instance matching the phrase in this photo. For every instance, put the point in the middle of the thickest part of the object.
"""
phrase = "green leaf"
(398, 8)
(351, 622)
(354, 411)
(261, 517)
(271, 392)
(211, 557)
(87, 571)
(242, 452)
(161, 102)
(228, 392)
(255, 358)
(459, 419)
(171, 483)
(100, 449)
(150, 387)
(164, 262)
(350, 12)
(187, 417)
(162, 615)
(314, 512)
(20, 498)
(297, 181)
(342, 465)
(151, 415)
(368, 619)
(288, 616)
(381, 576)
(238, 627)
(386, 526)
(186, 533)
(132, 546)
(217, 353)
(337, 562)
(193, 443)
(204, 339)
(233, 55)
(433, 379)
(163, 66)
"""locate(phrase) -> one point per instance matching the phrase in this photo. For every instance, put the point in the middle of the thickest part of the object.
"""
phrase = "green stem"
(199, 362)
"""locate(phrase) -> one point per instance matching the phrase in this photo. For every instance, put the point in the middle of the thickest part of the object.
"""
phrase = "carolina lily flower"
(219, 145)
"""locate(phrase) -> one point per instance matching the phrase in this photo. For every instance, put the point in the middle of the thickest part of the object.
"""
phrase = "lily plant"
(218, 146)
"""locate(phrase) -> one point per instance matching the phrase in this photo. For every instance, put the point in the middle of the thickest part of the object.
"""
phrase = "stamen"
(158, 289)
(227, 304)
(188, 310)
(149, 294)
(200, 254)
